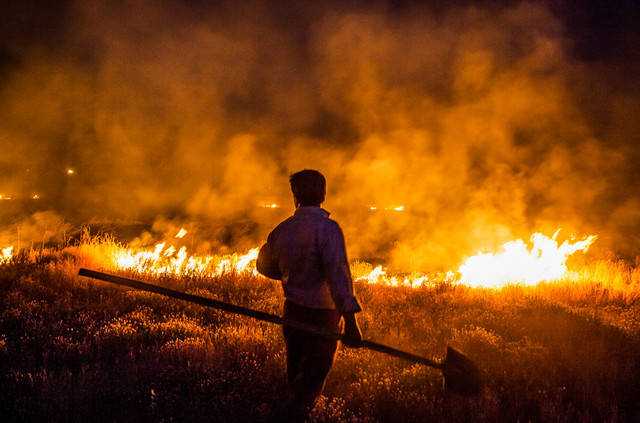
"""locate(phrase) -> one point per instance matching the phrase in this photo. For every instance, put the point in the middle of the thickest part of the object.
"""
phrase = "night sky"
(486, 120)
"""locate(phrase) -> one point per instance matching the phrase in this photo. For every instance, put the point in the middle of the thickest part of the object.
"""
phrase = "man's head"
(309, 187)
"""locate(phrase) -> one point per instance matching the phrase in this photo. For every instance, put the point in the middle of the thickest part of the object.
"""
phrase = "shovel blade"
(461, 376)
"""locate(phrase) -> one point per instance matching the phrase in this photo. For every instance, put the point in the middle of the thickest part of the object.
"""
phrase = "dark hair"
(309, 187)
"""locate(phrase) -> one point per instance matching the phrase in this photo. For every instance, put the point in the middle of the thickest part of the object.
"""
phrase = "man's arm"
(266, 264)
(336, 267)
(340, 283)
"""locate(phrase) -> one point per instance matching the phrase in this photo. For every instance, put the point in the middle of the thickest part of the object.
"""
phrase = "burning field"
(556, 342)
(481, 159)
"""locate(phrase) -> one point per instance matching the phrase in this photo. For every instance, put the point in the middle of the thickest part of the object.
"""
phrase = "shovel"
(461, 376)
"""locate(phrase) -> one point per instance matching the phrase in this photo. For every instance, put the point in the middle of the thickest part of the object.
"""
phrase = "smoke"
(37, 231)
(482, 123)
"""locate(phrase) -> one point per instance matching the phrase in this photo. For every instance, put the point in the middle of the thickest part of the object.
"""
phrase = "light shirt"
(307, 253)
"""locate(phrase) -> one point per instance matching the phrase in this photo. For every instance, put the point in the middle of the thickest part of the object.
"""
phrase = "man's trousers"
(309, 356)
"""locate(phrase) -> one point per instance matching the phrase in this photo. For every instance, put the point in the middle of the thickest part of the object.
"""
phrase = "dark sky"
(485, 120)
(599, 29)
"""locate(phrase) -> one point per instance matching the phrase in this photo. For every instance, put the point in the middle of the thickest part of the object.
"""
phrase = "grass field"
(77, 350)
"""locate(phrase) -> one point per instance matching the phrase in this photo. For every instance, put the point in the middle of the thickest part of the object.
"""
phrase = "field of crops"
(75, 349)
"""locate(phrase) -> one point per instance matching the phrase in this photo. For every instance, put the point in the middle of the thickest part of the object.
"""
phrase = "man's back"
(308, 250)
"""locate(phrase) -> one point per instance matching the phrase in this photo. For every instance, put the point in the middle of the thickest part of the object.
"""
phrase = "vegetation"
(74, 349)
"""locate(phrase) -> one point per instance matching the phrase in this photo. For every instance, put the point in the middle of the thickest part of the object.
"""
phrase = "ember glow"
(394, 208)
(519, 264)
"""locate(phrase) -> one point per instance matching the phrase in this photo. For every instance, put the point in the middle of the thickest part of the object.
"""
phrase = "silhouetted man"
(307, 253)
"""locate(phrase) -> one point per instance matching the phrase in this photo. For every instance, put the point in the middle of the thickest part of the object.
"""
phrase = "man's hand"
(352, 335)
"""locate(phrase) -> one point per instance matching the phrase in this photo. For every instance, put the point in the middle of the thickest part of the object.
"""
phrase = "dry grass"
(73, 349)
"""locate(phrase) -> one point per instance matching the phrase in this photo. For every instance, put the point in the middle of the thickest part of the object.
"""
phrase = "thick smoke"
(481, 122)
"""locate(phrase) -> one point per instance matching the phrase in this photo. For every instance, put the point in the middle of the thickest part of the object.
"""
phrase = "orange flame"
(166, 261)
(6, 255)
(379, 276)
(517, 264)
(520, 265)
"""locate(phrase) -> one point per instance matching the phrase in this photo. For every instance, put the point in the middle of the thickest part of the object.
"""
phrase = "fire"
(379, 276)
(518, 264)
(6, 255)
(375, 275)
(238, 263)
(166, 260)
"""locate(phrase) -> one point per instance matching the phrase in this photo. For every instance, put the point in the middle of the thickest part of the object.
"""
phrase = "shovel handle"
(209, 302)
(400, 354)
(259, 315)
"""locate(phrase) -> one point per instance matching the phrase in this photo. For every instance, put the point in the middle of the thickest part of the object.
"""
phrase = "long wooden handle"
(259, 315)
(400, 354)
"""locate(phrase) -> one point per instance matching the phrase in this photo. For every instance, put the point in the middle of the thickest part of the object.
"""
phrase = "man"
(307, 253)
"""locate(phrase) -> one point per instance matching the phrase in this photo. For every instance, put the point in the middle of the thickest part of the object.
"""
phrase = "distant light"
(4, 197)
(395, 208)
(35, 196)
(269, 205)
(70, 171)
